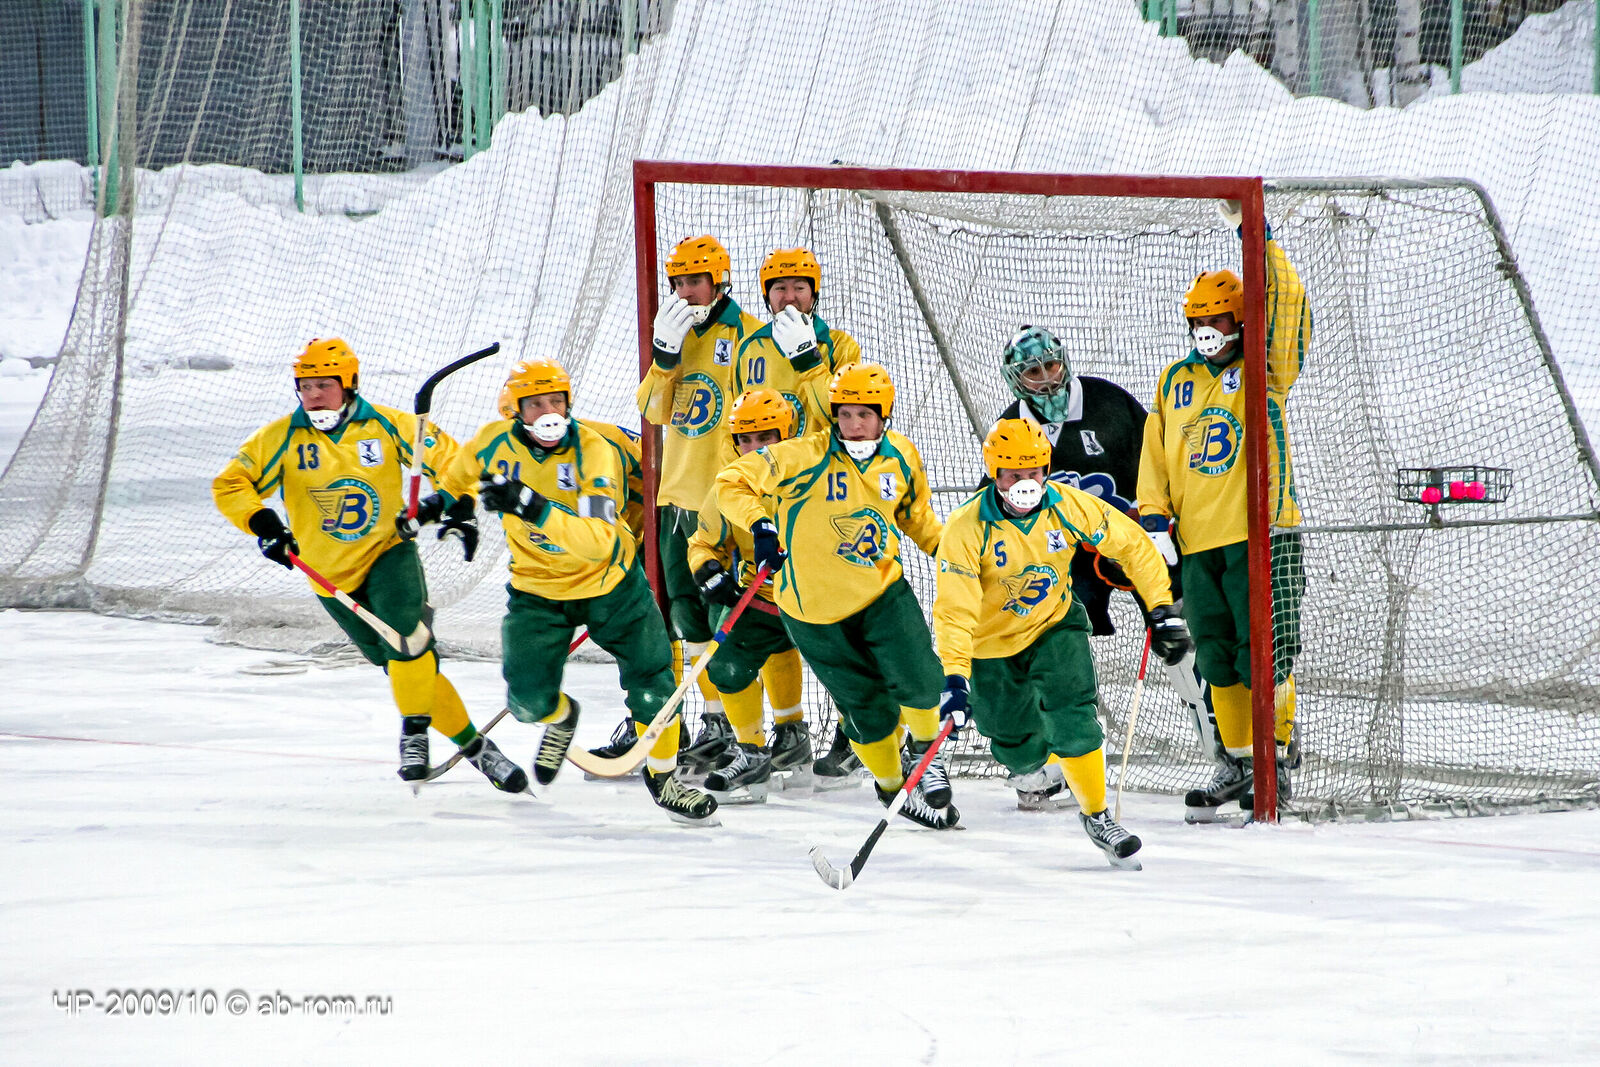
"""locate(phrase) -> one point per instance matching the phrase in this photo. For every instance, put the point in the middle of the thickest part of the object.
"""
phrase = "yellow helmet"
(761, 409)
(791, 263)
(1215, 292)
(1015, 444)
(862, 383)
(533, 377)
(699, 255)
(330, 358)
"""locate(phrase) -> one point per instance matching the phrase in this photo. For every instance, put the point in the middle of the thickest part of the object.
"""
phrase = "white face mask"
(326, 420)
(860, 450)
(700, 313)
(548, 429)
(1025, 494)
(1208, 340)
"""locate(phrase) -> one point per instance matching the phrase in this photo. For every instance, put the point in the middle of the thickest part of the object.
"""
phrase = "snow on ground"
(177, 823)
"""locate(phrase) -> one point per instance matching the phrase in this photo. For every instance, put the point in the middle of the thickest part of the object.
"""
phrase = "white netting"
(194, 299)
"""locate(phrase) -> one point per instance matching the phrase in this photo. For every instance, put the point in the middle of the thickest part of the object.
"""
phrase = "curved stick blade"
(838, 877)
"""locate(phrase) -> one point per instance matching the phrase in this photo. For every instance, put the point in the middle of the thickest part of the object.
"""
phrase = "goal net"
(1446, 659)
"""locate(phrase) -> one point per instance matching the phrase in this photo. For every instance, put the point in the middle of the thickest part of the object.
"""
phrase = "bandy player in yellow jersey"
(1192, 478)
(339, 463)
(687, 391)
(723, 557)
(1011, 633)
(837, 502)
(560, 488)
(797, 354)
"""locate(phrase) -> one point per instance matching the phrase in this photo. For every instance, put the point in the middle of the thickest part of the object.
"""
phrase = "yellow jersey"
(691, 403)
(1002, 581)
(761, 363)
(839, 519)
(627, 443)
(579, 547)
(1192, 464)
(715, 538)
(341, 490)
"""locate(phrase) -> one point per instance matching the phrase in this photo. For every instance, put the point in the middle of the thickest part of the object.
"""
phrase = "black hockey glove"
(1169, 635)
(429, 509)
(512, 498)
(274, 539)
(768, 554)
(717, 585)
(953, 705)
(461, 520)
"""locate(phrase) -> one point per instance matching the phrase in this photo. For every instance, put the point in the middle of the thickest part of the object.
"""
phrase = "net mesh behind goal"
(1441, 664)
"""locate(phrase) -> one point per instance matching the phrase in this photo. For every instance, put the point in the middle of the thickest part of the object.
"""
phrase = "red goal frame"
(647, 174)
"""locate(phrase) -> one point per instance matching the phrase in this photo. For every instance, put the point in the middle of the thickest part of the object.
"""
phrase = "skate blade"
(705, 823)
(1047, 804)
(1213, 817)
(755, 793)
(1124, 863)
(797, 779)
(826, 784)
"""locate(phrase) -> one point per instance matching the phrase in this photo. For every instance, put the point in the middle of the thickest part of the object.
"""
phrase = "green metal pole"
(465, 61)
(109, 69)
(1314, 47)
(91, 90)
(1457, 22)
(480, 41)
(294, 107)
(497, 56)
(1169, 18)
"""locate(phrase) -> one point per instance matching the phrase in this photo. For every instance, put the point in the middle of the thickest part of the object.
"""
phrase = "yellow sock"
(449, 714)
(563, 707)
(882, 758)
(1059, 761)
(411, 682)
(782, 676)
(663, 758)
(744, 713)
(1283, 710)
(677, 664)
(1086, 777)
(1232, 706)
(922, 722)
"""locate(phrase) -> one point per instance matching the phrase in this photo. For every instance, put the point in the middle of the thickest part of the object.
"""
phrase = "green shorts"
(690, 619)
(396, 591)
(757, 636)
(873, 662)
(1216, 604)
(1043, 700)
(536, 631)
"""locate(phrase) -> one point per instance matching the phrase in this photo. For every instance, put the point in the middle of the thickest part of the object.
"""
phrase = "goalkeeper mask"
(862, 450)
(548, 429)
(328, 420)
(1024, 495)
(1208, 340)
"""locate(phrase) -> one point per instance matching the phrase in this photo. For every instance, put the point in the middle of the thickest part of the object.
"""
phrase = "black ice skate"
(934, 785)
(553, 746)
(1109, 836)
(710, 746)
(1247, 802)
(743, 776)
(414, 750)
(622, 739)
(791, 756)
(918, 810)
(1043, 790)
(840, 767)
(1233, 780)
(684, 803)
(506, 776)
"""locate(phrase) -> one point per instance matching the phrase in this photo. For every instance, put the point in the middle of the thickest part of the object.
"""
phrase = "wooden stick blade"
(838, 877)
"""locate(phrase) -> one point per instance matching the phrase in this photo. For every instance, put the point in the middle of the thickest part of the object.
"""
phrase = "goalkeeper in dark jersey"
(1096, 432)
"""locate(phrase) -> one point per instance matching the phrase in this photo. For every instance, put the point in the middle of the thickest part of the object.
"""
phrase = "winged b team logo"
(349, 508)
(1026, 590)
(862, 537)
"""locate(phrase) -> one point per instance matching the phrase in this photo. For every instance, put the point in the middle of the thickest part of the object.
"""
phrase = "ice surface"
(270, 848)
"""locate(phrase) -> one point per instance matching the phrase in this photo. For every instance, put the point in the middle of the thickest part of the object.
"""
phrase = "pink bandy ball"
(1476, 491)
(1431, 495)
(1458, 490)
